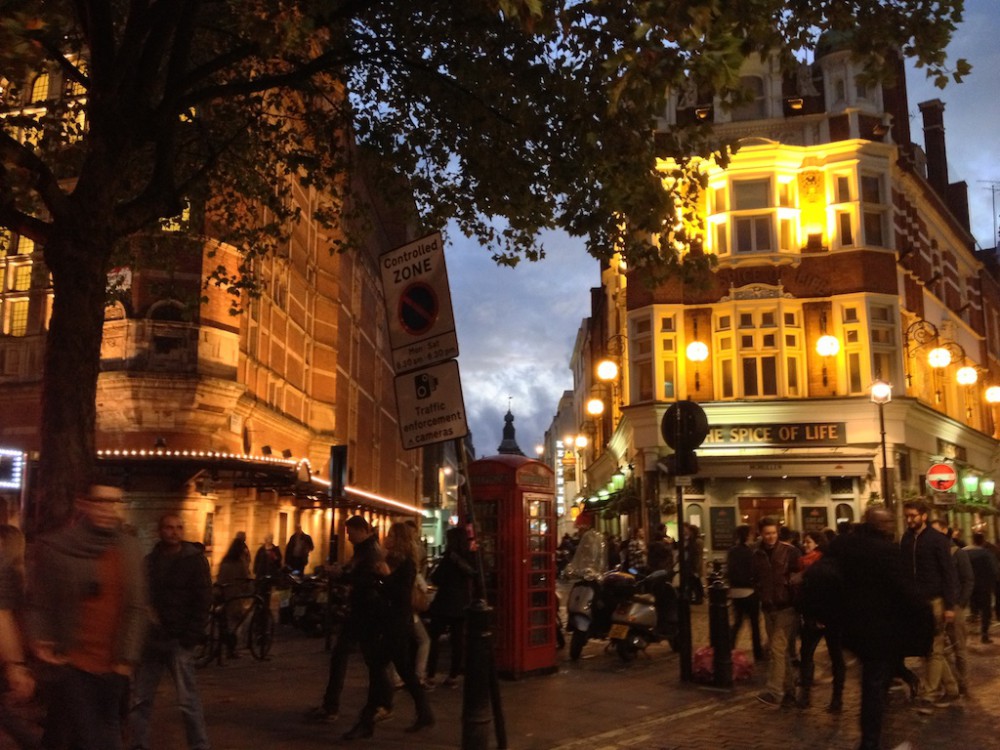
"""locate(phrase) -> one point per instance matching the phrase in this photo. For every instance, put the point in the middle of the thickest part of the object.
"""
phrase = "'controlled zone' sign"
(418, 304)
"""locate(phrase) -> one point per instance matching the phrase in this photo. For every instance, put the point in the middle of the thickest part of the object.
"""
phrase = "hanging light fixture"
(966, 375)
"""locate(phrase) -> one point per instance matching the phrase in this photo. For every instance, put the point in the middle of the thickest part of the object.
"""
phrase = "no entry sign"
(941, 477)
(418, 304)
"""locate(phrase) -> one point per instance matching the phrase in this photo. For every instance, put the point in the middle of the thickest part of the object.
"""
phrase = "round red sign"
(941, 477)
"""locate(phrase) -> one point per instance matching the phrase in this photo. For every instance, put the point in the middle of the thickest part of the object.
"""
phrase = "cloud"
(516, 329)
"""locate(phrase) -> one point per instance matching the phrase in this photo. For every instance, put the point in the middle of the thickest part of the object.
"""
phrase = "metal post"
(718, 629)
(684, 603)
(886, 488)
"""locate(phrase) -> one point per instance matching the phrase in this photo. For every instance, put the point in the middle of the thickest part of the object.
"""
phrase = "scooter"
(648, 616)
(591, 604)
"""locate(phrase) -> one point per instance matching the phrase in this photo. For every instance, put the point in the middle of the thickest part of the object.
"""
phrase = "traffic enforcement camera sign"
(941, 477)
(430, 405)
(418, 304)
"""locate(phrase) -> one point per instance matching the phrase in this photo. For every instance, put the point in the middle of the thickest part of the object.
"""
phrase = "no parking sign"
(418, 304)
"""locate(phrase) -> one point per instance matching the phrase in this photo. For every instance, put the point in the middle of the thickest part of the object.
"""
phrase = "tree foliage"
(507, 116)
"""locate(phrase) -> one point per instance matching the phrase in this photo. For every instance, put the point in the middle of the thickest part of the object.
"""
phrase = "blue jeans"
(178, 660)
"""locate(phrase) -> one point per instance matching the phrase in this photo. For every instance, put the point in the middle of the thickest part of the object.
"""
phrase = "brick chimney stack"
(937, 156)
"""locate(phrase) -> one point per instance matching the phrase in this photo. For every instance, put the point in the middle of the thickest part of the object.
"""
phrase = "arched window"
(40, 88)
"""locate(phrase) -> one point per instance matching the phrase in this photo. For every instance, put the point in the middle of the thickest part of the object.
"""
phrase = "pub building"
(847, 341)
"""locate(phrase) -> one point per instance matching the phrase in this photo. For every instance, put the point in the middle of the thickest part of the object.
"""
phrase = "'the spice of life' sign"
(788, 433)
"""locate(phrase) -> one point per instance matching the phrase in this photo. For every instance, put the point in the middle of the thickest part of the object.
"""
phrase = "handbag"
(419, 599)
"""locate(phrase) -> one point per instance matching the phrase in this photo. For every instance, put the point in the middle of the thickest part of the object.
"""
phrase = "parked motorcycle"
(591, 604)
(648, 615)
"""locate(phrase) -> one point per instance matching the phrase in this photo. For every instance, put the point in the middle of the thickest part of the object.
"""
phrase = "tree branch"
(44, 183)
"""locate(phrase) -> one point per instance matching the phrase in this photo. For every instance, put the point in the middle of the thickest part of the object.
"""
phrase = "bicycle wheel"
(261, 633)
(205, 651)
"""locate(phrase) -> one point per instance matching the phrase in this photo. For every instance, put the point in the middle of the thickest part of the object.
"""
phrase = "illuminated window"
(24, 246)
(752, 232)
(40, 88)
(17, 317)
(5, 241)
(21, 281)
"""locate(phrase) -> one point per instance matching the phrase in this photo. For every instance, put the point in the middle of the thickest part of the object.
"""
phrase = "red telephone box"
(514, 501)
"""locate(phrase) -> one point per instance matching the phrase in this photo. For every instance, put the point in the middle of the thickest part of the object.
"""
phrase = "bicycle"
(219, 635)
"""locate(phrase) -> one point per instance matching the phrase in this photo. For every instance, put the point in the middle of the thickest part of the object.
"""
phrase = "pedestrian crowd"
(861, 590)
(89, 626)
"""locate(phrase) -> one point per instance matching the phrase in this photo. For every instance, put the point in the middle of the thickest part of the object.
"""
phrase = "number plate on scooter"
(618, 632)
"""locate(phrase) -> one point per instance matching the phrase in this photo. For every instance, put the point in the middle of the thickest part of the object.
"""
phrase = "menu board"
(815, 518)
(722, 522)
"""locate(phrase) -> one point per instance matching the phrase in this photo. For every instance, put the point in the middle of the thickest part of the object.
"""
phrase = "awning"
(783, 466)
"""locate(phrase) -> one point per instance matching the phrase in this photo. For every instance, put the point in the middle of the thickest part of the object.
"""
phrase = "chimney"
(937, 156)
(896, 104)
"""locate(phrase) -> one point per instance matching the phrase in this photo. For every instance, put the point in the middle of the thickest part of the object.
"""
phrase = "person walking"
(746, 603)
(985, 571)
(774, 563)
(180, 593)
(237, 588)
(87, 614)
(927, 556)
(812, 631)
(862, 589)
(300, 544)
(361, 628)
(397, 574)
(15, 676)
(453, 579)
(955, 631)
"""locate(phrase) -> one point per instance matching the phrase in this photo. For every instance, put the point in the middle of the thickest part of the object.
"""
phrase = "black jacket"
(866, 592)
(180, 592)
(927, 557)
(453, 579)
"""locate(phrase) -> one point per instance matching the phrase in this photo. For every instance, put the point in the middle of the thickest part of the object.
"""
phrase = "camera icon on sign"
(424, 385)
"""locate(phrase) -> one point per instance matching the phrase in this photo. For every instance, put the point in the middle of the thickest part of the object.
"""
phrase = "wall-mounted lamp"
(992, 394)
(970, 483)
(618, 480)
(266, 450)
(702, 113)
(287, 453)
(986, 486)
(795, 103)
(595, 407)
(921, 333)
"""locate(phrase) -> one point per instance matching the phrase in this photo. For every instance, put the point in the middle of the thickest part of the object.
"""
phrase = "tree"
(510, 116)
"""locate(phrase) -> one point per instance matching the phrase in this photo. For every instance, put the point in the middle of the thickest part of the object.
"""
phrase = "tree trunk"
(78, 262)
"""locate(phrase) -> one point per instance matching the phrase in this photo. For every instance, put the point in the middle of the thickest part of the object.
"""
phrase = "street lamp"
(881, 394)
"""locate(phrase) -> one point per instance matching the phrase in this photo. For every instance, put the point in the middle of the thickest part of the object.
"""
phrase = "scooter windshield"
(591, 557)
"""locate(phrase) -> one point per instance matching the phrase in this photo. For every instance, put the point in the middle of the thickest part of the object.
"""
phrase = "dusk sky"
(516, 327)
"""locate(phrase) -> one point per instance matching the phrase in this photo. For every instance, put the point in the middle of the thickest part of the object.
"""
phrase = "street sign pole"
(684, 427)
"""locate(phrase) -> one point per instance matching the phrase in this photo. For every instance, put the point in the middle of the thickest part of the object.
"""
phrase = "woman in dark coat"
(453, 579)
(398, 575)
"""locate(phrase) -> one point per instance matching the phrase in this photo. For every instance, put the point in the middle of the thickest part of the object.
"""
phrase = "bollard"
(476, 715)
(718, 629)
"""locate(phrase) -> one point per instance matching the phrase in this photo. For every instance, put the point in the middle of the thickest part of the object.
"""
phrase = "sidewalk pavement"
(597, 703)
